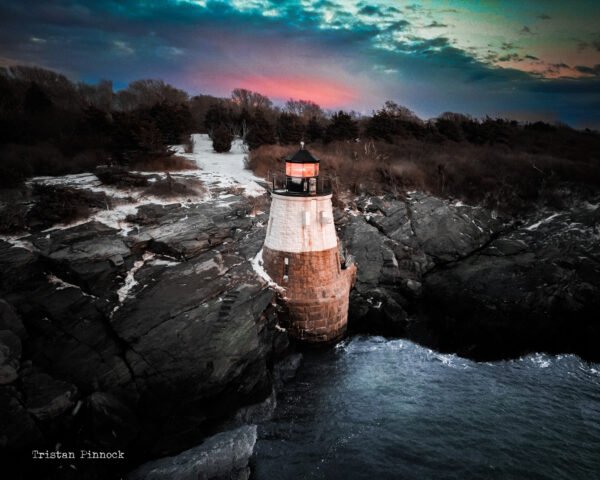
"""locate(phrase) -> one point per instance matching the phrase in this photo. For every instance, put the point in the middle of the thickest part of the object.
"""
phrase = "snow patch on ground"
(60, 284)
(223, 170)
(130, 280)
(158, 262)
(541, 222)
(18, 241)
(222, 174)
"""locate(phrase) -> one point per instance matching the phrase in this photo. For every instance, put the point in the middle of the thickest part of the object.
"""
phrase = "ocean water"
(374, 408)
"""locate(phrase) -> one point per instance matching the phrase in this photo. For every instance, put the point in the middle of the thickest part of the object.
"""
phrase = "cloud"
(398, 25)
(216, 46)
(123, 47)
(593, 43)
(436, 24)
(509, 57)
(544, 16)
(371, 10)
(595, 70)
(526, 31)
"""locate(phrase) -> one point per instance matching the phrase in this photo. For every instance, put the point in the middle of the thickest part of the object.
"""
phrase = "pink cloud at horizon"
(324, 92)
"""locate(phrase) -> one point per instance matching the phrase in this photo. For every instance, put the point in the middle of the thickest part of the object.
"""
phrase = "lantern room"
(301, 172)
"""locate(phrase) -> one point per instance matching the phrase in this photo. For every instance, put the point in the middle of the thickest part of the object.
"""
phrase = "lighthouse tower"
(301, 254)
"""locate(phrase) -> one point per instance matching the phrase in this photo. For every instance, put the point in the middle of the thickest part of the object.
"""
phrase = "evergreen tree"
(173, 120)
(382, 125)
(289, 129)
(314, 130)
(221, 139)
(342, 127)
(449, 129)
(261, 132)
(216, 115)
(36, 100)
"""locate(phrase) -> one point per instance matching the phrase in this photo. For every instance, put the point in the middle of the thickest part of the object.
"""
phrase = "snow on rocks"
(223, 174)
(258, 267)
(130, 280)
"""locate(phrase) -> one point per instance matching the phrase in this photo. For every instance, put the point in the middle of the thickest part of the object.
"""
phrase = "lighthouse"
(302, 255)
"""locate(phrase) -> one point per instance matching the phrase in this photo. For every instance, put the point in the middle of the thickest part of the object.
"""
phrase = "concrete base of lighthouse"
(317, 290)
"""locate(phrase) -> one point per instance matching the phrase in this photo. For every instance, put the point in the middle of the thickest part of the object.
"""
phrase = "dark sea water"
(374, 408)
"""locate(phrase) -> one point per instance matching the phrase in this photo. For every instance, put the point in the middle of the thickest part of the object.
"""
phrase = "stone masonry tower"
(301, 254)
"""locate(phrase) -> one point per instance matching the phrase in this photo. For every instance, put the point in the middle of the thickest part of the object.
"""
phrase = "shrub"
(289, 129)
(58, 204)
(342, 127)
(266, 161)
(314, 130)
(163, 164)
(170, 188)
(19, 162)
(120, 177)
(260, 132)
(221, 139)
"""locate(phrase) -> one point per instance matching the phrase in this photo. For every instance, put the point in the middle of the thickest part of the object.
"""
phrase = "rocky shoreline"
(151, 338)
(463, 279)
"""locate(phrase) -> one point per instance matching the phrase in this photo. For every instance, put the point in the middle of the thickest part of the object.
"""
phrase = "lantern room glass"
(302, 169)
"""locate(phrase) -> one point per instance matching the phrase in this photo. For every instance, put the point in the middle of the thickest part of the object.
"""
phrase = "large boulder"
(10, 320)
(162, 348)
(376, 300)
(10, 356)
(105, 421)
(395, 242)
(197, 341)
(19, 268)
(187, 232)
(63, 204)
(92, 256)
(223, 456)
(17, 427)
(71, 338)
(537, 288)
(47, 397)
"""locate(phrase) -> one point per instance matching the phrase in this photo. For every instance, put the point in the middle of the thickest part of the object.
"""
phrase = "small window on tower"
(305, 218)
(286, 268)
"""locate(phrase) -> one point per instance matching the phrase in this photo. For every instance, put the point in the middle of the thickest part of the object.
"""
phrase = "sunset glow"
(431, 56)
(326, 93)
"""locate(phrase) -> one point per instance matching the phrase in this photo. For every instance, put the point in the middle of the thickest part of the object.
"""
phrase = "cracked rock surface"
(461, 279)
(140, 339)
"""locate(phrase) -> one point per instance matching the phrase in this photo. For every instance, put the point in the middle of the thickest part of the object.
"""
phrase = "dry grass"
(266, 160)
(494, 176)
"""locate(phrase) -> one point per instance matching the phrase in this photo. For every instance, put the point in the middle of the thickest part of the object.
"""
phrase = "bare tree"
(99, 96)
(146, 93)
(304, 109)
(400, 113)
(58, 87)
(250, 100)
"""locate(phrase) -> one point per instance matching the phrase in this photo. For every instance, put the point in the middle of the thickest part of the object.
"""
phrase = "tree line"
(50, 125)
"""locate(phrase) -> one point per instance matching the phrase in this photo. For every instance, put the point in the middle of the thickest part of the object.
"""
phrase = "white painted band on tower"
(301, 224)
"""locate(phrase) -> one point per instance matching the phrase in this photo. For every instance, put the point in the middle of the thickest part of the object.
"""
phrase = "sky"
(528, 60)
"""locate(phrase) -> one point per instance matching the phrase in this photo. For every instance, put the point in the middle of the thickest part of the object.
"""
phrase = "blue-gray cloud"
(190, 45)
